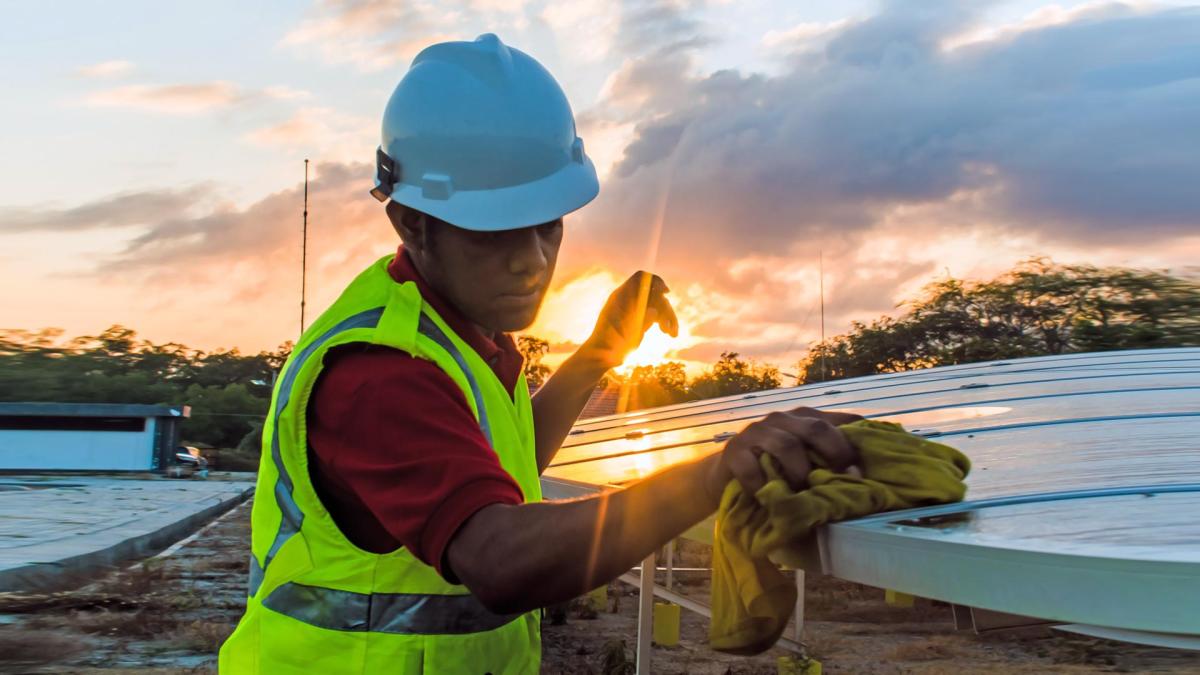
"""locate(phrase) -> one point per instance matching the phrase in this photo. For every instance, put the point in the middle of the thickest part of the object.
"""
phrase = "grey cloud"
(1085, 131)
(659, 26)
(261, 228)
(121, 210)
(378, 34)
(904, 33)
(189, 227)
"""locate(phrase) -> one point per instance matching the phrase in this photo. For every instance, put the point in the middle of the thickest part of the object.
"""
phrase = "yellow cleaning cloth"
(751, 598)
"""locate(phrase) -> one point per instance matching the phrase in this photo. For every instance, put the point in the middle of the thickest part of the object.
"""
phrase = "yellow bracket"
(598, 598)
(666, 624)
(898, 599)
(793, 665)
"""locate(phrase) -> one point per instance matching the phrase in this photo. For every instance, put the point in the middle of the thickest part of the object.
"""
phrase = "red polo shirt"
(395, 453)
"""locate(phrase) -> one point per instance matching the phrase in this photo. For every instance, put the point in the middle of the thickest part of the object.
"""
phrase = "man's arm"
(558, 403)
(636, 305)
(518, 558)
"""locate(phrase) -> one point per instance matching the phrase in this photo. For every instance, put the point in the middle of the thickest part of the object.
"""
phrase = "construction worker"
(398, 525)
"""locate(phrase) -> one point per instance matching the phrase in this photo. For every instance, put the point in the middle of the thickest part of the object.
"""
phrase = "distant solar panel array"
(1084, 500)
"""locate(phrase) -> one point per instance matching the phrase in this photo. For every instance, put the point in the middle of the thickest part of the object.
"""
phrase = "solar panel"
(1083, 500)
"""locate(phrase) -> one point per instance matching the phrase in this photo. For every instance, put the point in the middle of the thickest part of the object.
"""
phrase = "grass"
(33, 647)
(234, 459)
(932, 648)
(137, 624)
(204, 636)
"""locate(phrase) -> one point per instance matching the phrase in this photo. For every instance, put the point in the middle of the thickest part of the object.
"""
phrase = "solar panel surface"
(1097, 455)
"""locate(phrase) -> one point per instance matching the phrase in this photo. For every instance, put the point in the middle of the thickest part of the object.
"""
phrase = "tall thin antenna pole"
(304, 251)
(821, 267)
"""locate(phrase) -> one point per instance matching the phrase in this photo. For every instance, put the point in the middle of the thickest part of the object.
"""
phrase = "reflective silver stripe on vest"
(432, 331)
(404, 613)
(293, 517)
(256, 576)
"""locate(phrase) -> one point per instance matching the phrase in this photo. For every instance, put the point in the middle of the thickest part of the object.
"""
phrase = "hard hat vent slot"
(577, 150)
(436, 186)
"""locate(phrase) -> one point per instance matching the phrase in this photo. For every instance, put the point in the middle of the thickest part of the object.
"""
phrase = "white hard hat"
(481, 136)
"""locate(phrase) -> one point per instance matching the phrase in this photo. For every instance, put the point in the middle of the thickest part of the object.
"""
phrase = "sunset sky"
(153, 154)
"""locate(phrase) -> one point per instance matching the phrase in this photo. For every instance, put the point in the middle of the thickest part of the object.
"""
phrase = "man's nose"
(526, 257)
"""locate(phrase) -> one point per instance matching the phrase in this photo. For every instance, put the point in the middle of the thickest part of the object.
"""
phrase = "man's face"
(496, 279)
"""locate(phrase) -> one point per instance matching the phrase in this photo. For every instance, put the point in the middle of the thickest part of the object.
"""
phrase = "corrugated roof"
(602, 402)
(93, 410)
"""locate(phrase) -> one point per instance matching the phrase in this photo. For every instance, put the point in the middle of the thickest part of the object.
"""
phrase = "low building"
(88, 436)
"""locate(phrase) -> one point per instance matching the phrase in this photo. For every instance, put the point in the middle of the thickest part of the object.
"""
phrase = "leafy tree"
(1037, 308)
(653, 386)
(227, 391)
(533, 349)
(222, 416)
(732, 375)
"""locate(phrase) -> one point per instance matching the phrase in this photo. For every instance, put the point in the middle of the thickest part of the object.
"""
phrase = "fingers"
(761, 437)
(788, 437)
(820, 435)
(834, 417)
(838, 418)
(658, 305)
(793, 459)
(660, 312)
(648, 292)
(665, 315)
(742, 462)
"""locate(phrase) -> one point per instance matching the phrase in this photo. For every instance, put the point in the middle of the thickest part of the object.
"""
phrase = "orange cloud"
(176, 99)
(897, 160)
(106, 69)
(379, 34)
(189, 267)
(332, 135)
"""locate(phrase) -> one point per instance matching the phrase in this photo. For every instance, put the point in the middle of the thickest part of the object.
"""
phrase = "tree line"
(667, 383)
(228, 391)
(1038, 308)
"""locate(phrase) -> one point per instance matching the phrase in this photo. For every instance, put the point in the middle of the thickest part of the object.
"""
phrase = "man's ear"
(410, 224)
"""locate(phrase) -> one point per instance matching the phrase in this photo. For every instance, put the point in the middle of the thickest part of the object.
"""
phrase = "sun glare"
(655, 348)
(570, 312)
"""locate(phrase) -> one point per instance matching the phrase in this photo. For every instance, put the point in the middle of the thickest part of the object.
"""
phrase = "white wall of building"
(77, 450)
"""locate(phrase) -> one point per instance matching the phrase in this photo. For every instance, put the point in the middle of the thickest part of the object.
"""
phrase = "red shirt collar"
(499, 352)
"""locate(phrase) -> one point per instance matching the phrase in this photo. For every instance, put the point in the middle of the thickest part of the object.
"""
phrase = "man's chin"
(513, 322)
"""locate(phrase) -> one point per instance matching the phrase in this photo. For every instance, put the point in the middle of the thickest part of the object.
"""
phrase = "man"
(398, 525)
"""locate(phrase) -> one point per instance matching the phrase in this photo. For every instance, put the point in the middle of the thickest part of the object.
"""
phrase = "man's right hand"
(788, 437)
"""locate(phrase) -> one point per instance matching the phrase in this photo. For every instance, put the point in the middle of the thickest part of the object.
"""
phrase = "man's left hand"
(636, 305)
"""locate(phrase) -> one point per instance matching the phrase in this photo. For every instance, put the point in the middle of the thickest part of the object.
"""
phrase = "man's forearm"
(554, 551)
(558, 403)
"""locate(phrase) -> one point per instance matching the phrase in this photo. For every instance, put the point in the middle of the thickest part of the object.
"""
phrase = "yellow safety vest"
(319, 604)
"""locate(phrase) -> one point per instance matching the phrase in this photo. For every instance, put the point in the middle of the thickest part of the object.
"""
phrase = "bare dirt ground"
(170, 614)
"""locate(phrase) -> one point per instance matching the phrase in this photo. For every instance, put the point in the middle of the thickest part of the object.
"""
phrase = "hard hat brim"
(541, 201)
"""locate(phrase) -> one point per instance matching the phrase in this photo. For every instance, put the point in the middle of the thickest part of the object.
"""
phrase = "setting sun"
(569, 315)
(655, 348)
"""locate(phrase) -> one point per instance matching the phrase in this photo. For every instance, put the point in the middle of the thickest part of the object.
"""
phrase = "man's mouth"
(523, 295)
(524, 291)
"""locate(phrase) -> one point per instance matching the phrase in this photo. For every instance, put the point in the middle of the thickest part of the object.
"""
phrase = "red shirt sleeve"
(396, 454)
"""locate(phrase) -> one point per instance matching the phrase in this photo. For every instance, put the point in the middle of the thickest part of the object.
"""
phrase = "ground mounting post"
(645, 613)
(670, 563)
(798, 617)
